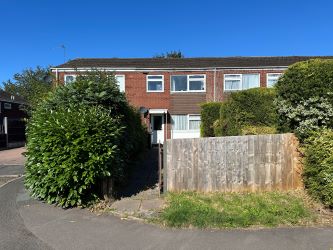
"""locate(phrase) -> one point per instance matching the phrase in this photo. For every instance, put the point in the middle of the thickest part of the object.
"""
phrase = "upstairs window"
(188, 83)
(7, 105)
(69, 78)
(234, 82)
(272, 79)
(121, 82)
(155, 83)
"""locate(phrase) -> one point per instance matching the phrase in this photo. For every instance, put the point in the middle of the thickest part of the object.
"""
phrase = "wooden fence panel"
(235, 163)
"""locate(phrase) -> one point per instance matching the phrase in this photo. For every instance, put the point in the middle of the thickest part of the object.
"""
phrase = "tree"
(30, 84)
(170, 54)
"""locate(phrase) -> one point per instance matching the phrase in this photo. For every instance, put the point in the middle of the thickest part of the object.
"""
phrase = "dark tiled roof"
(199, 62)
(7, 97)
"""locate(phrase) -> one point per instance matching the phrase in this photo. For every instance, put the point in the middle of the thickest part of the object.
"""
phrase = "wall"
(177, 103)
(235, 163)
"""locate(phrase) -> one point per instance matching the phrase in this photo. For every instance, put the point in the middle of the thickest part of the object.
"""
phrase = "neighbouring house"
(12, 120)
(171, 89)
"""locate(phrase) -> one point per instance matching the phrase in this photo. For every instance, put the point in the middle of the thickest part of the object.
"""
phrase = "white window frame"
(188, 83)
(7, 105)
(155, 80)
(188, 119)
(115, 76)
(225, 78)
(69, 75)
(268, 75)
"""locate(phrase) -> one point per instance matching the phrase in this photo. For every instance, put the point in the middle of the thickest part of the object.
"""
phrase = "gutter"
(165, 69)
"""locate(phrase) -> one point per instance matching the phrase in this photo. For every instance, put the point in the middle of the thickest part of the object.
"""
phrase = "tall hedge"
(305, 97)
(210, 112)
(82, 132)
(318, 167)
(253, 107)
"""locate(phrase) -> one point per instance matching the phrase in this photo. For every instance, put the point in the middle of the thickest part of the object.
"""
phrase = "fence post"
(160, 152)
(5, 123)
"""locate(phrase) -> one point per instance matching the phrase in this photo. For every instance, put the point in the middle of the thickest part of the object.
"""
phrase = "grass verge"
(232, 210)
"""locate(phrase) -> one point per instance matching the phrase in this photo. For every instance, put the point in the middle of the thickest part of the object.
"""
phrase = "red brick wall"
(135, 87)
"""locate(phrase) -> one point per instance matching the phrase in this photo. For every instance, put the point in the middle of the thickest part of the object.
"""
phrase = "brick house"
(12, 124)
(171, 89)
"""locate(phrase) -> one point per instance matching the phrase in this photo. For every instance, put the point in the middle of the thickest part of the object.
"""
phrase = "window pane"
(121, 82)
(155, 77)
(197, 85)
(272, 79)
(155, 86)
(232, 84)
(69, 79)
(179, 122)
(232, 77)
(250, 81)
(179, 83)
(194, 125)
(194, 122)
(196, 77)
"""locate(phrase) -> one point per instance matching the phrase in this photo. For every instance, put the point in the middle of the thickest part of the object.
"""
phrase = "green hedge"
(252, 107)
(318, 167)
(82, 132)
(210, 112)
(306, 79)
(305, 98)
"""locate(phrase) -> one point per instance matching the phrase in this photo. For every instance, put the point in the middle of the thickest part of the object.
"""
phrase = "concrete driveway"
(29, 224)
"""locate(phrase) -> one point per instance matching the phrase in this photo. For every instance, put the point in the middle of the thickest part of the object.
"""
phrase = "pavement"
(29, 224)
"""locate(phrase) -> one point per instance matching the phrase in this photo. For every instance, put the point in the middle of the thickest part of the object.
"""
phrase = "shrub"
(80, 133)
(68, 150)
(306, 79)
(258, 130)
(304, 97)
(318, 167)
(252, 107)
(210, 112)
(217, 128)
(307, 116)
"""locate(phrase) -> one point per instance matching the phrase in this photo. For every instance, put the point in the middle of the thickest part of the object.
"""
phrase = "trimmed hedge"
(252, 107)
(307, 79)
(210, 112)
(318, 167)
(305, 98)
(82, 132)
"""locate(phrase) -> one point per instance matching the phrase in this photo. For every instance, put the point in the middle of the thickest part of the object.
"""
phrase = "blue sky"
(32, 31)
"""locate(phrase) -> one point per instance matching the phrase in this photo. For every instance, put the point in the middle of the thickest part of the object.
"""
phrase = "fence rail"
(235, 163)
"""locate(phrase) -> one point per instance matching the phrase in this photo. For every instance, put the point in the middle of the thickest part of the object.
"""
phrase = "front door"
(157, 128)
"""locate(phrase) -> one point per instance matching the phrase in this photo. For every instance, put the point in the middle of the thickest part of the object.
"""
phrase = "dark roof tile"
(7, 97)
(199, 62)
